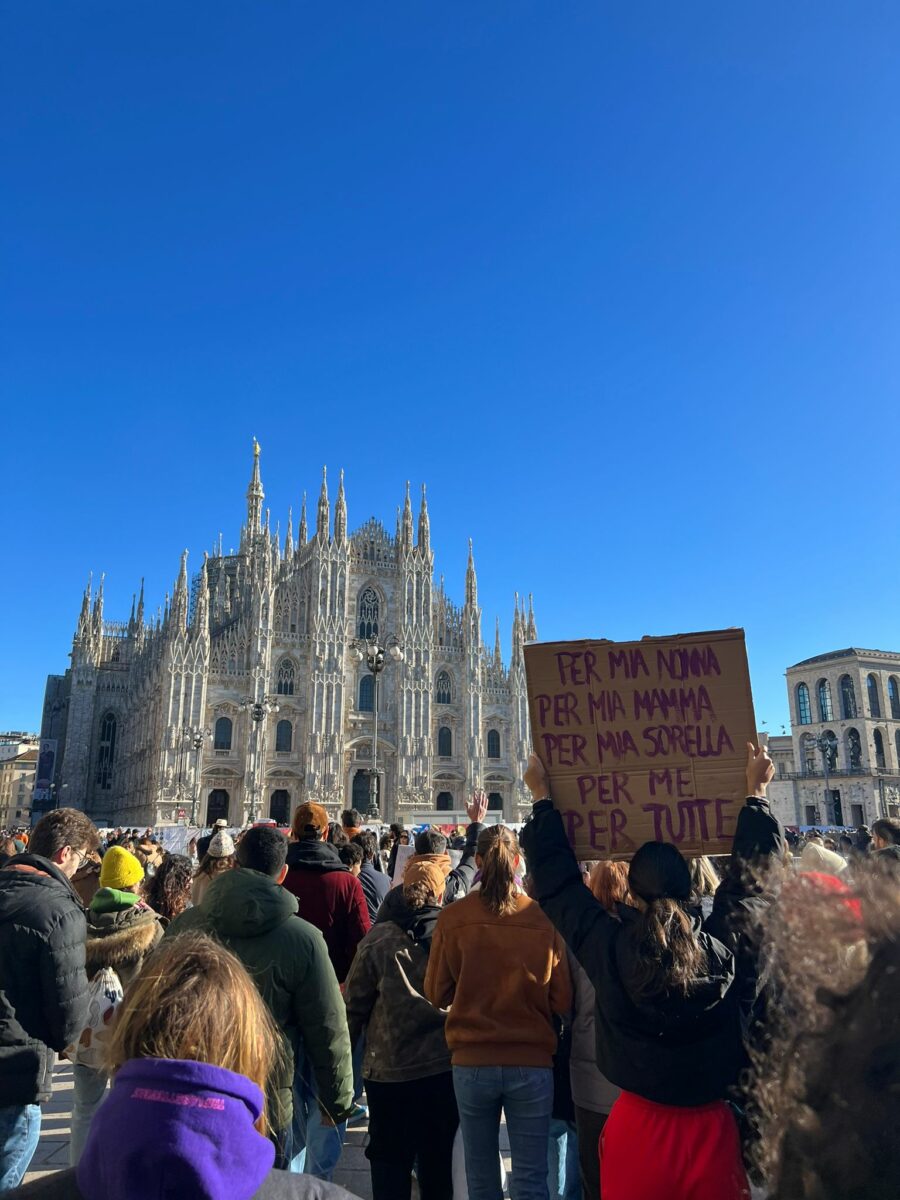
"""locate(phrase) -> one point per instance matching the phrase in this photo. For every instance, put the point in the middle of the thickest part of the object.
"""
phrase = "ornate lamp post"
(193, 738)
(376, 655)
(259, 710)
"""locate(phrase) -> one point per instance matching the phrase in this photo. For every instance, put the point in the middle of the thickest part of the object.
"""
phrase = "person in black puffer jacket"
(43, 984)
(674, 997)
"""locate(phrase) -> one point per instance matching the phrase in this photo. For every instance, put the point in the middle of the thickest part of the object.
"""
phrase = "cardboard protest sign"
(644, 741)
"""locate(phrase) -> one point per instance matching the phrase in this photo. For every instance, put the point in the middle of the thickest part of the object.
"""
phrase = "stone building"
(18, 761)
(243, 697)
(845, 724)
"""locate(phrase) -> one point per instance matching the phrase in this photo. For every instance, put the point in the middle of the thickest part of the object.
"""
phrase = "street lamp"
(376, 656)
(259, 710)
(194, 737)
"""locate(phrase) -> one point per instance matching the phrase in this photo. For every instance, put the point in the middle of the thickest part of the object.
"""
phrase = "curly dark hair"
(825, 1089)
(169, 890)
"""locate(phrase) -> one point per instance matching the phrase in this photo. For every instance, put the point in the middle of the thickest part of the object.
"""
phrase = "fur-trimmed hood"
(122, 939)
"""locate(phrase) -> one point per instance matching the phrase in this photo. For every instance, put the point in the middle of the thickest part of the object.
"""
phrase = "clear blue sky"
(620, 281)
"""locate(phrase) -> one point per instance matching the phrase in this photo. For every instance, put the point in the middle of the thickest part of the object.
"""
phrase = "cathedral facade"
(246, 694)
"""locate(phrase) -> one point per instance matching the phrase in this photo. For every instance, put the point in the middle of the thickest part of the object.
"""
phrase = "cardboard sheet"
(644, 740)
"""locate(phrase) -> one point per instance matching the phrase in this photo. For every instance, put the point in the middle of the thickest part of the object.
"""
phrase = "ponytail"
(498, 850)
(669, 957)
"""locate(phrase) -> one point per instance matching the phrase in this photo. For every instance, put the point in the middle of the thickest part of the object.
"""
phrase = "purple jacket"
(176, 1128)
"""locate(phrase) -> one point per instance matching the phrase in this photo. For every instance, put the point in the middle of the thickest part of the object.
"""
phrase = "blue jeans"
(20, 1128)
(525, 1094)
(90, 1091)
(563, 1172)
(315, 1147)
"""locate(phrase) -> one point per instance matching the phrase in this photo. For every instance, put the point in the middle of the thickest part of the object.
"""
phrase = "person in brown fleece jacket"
(502, 968)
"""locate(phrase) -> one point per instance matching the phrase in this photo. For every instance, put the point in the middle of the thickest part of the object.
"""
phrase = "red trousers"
(659, 1152)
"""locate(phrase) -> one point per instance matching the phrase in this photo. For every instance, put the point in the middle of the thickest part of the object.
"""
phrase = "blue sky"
(621, 282)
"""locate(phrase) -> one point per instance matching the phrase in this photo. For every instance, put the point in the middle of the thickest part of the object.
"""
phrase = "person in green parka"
(256, 918)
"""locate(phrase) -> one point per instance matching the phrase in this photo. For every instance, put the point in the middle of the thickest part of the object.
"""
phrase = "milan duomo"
(244, 697)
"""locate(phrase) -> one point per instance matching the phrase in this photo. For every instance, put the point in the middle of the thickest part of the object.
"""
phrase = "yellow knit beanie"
(120, 869)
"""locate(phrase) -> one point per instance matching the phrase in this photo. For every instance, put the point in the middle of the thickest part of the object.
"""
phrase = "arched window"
(284, 737)
(880, 760)
(894, 697)
(280, 807)
(848, 699)
(366, 693)
(217, 806)
(826, 712)
(445, 742)
(493, 743)
(368, 613)
(854, 750)
(874, 697)
(495, 802)
(222, 739)
(444, 802)
(106, 752)
(804, 712)
(443, 688)
(285, 683)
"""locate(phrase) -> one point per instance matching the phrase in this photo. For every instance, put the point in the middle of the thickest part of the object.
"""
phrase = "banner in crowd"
(644, 741)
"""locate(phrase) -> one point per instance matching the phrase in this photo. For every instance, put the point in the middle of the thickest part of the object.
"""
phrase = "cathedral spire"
(200, 622)
(98, 608)
(84, 620)
(180, 596)
(255, 494)
(471, 581)
(406, 527)
(518, 631)
(303, 532)
(140, 607)
(424, 542)
(498, 655)
(340, 513)
(323, 512)
(289, 537)
(531, 628)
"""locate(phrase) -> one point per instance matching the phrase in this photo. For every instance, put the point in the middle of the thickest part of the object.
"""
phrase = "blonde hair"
(498, 850)
(194, 1000)
(609, 884)
(704, 877)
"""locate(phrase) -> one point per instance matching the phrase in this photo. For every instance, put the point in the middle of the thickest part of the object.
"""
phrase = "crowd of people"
(658, 1029)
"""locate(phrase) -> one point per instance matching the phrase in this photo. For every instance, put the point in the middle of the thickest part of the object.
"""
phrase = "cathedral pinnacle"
(323, 512)
(340, 513)
(289, 537)
(406, 527)
(424, 542)
(531, 628)
(201, 609)
(471, 581)
(180, 595)
(498, 655)
(255, 494)
(303, 532)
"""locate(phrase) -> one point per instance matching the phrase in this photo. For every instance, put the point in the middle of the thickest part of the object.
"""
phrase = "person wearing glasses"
(43, 984)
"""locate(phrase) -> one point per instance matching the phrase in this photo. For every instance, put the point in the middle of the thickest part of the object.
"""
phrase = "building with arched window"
(857, 695)
(244, 696)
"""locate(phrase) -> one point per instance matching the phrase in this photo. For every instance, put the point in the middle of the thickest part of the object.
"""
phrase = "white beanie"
(820, 858)
(221, 845)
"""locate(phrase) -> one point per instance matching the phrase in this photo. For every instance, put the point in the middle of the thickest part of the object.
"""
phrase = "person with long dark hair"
(499, 965)
(674, 997)
(168, 892)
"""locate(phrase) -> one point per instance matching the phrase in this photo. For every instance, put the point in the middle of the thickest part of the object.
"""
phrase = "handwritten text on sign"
(644, 740)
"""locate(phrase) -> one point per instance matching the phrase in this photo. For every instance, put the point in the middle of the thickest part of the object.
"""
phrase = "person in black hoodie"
(375, 884)
(406, 1064)
(674, 997)
(43, 984)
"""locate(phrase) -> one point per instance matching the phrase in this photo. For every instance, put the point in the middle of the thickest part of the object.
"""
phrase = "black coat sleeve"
(460, 878)
(758, 845)
(64, 983)
(557, 885)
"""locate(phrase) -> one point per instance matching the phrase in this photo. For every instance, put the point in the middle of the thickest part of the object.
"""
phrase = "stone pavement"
(53, 1150)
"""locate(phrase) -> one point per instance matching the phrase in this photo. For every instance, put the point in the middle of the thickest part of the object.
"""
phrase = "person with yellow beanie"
(122, 929)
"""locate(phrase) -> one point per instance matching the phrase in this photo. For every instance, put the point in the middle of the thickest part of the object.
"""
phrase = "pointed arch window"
(826, 711)
(443, 688)
(284, 737)
(493, 743)
(804, 711)
(874, 697)
(445, 742)
(285, 682)
(368, 612)
(366, 693)
(894, 697)
(106, 753)
(222, 738)
(880, 760)
(848, 699)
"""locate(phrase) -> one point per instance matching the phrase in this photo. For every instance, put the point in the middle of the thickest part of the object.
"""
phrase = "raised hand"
(477, 806)
(760, 770)
(536, 778)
